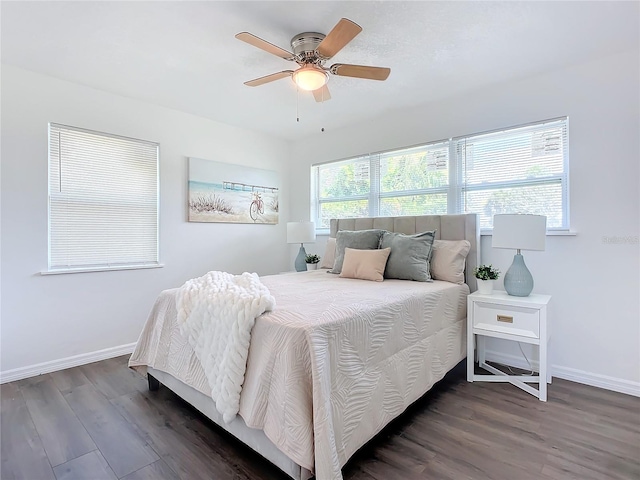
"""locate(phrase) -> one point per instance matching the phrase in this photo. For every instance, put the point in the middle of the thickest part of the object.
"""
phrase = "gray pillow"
(410, 255)
(360, 240)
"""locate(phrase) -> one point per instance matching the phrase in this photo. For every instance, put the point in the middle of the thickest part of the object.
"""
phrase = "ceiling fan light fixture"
(310, 50)
(310, 78)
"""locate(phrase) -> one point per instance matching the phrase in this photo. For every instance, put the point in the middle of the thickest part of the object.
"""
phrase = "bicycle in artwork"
(257, 206)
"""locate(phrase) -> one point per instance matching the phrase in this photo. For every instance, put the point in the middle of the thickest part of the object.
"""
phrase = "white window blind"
(517, 170)
(103, 200)
(521, 170)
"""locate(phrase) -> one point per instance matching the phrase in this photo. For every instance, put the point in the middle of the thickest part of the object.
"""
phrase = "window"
(103, 201)
(520, 170)
(516, 170)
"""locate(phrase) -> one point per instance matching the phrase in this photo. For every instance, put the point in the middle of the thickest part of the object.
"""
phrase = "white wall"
(48, 318)
(595, 311)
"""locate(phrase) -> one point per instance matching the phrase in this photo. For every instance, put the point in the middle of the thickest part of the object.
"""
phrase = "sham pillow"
(359, 239)
(410, 254)
(449, 259)
(365, 264)
(329, 254)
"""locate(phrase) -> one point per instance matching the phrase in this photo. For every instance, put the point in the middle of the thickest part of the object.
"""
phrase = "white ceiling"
(183, 55)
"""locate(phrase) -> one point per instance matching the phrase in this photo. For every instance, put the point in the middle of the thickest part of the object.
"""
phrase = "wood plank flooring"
(99, 421)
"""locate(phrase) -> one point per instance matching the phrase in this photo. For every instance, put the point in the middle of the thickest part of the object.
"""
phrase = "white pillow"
(365, 264)
(329, 254)
(448, 260)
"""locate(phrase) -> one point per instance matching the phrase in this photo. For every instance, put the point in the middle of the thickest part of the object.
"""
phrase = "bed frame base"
(254, 438)
(154, 384)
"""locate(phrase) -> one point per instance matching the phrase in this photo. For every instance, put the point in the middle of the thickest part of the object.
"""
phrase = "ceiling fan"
(311, 50)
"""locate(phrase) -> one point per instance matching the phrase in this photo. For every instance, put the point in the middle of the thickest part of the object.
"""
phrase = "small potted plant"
(486, 274)
(312, 261)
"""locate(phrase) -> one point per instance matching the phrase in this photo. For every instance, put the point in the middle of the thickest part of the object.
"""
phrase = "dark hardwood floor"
(99, 421)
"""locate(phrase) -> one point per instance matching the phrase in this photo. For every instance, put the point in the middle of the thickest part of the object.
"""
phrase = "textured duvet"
(332, 364)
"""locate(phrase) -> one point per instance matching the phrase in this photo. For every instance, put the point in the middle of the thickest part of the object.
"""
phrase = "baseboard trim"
(62, 363)
(513, 360)
(566, 373)
(597, 380)
(574, 375)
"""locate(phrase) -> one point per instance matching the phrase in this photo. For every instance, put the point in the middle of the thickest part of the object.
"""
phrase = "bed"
(335, 362)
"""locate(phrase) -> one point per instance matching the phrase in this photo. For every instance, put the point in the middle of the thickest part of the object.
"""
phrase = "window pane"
(344, 179)
(415, 169)
(533, 199)
(432, 204)
(348, 209)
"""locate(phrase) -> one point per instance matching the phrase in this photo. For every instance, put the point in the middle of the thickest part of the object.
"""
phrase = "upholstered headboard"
(447, 227)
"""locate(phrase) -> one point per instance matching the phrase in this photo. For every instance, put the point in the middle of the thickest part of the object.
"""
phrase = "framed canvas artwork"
(227, 193)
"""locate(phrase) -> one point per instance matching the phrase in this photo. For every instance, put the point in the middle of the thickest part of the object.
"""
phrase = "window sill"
(550, 233)
(488, 233)
(62, 271)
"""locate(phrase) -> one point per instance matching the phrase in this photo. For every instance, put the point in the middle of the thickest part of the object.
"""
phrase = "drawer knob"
(505, 318)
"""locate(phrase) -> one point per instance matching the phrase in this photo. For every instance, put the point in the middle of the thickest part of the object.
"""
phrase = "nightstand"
(520, 319)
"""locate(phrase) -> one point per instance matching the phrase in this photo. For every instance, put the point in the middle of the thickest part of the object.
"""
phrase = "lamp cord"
(525, 357)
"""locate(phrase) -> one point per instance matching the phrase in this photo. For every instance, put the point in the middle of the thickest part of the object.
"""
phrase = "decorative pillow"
(410, 254)
(359, 239)
(448, 260)
(329, 254)
(365, 264)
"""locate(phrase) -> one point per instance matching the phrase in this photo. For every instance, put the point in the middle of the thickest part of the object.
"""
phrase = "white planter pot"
(485, 286)
(312, 266)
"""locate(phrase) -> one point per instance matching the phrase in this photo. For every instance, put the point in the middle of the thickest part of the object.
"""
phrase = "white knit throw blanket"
(216, 313)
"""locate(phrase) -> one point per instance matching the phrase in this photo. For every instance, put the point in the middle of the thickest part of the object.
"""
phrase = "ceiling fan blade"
(344, 31)
(322, 94)
(360, 71)
(264, 45)
(268, 78)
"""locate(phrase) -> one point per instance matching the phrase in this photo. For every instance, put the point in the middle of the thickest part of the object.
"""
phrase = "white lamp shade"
(523, 232)
(301, 232)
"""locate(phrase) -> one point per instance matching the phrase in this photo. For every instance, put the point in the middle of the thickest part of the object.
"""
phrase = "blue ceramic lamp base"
(518, 280)
(301, 264)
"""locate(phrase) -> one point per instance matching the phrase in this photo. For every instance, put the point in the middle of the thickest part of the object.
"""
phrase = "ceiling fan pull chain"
(297, 104)
(322, 108)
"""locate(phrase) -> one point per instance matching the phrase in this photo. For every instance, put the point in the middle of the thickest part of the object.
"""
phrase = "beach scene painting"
(227, 193)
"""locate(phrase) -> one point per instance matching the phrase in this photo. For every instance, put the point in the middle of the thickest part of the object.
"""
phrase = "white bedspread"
(216, 313)
(335, 362)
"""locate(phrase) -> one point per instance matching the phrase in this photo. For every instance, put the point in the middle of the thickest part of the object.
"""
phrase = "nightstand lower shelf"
(519, 381)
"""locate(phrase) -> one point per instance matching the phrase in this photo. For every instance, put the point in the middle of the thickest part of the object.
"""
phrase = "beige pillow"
(329, 254)
(365, 264)
(448, 260)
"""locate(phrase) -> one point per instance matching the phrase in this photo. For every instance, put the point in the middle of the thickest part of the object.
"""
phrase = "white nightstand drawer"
(513, 320)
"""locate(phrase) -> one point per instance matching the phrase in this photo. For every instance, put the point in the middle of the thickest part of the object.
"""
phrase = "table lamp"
(301, 232)
(519, 232)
